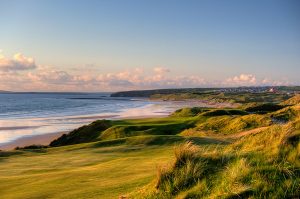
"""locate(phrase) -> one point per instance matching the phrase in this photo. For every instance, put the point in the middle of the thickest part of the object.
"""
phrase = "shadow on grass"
(149, 140)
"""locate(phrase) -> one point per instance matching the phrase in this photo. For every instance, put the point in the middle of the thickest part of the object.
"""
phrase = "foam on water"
(29, 114)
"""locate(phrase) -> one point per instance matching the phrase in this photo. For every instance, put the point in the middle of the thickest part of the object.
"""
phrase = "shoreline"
(131, 113)
(47, 138)
(43, 139)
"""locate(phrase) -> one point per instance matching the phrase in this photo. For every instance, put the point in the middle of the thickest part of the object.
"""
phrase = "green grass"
(86, 133)
(194, 153)
(220, 97)
(189, 112)
(105, 169)
(264, 165)
(83, 171)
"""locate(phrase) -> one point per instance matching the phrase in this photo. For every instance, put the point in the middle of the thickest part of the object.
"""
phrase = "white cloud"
(14, 76)
(242, 80)
(161, 70)
(18, 63)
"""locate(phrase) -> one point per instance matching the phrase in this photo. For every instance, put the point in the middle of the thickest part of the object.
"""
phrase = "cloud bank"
(22, 74)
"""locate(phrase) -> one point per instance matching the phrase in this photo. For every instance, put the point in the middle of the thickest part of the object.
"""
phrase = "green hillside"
(247, 152)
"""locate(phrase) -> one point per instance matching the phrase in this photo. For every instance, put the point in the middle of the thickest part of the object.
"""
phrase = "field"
(84, 171)
(252, 151)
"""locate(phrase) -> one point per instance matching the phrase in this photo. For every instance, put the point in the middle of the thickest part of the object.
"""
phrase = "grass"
(189, 112)
(259, 169)
(105, 169)
(194, 153)
(86, 133)
(81, 171)
(220, 97)
(232, 124)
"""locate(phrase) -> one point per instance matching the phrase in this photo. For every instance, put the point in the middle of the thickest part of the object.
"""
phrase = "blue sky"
(116, 44)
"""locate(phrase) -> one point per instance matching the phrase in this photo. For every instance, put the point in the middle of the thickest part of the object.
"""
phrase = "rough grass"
(220, 112)
(220, 97)
(189, 112)
(286, 114)
(83, 134)
(264, 108)
(232, 124)
(230, 173)
(107, 159)
(259, 165)
(121, 131)
(292, 101)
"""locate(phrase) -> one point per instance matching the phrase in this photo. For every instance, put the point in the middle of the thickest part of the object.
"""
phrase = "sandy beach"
(44, 139)
(49, 129)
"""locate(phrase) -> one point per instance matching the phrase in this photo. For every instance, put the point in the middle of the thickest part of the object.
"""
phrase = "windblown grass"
(107, 159)
(259, 165)
(232, 124)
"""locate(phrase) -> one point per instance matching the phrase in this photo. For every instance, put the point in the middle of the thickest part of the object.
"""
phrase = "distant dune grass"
(221, 97)
(260, 165)
(194, 153)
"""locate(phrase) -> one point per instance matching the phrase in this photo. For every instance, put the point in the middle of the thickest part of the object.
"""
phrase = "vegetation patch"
(189, 112)
(121, 131)
(264, 108)
(83, 134)
(232, 124)
(31, 147)
(286, 114)
(292, 101)
(218, 153)
(220, 112)
(199, 172)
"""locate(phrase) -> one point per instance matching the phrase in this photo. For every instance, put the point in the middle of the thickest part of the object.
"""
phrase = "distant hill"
(148, 93)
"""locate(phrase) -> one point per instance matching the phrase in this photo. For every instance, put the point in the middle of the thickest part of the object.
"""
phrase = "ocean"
(30, 114)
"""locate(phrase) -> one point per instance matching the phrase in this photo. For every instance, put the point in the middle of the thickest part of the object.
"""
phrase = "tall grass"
(262, 165)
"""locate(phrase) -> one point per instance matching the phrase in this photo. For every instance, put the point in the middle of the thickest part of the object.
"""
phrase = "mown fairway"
(81, 171)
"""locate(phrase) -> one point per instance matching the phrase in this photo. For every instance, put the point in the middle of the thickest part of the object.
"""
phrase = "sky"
(112, 45)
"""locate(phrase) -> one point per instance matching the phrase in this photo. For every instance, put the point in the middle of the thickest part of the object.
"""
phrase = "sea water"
(29, 114)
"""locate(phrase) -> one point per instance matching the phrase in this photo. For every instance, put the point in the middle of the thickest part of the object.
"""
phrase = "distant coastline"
(2, 91)
(149, 93)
